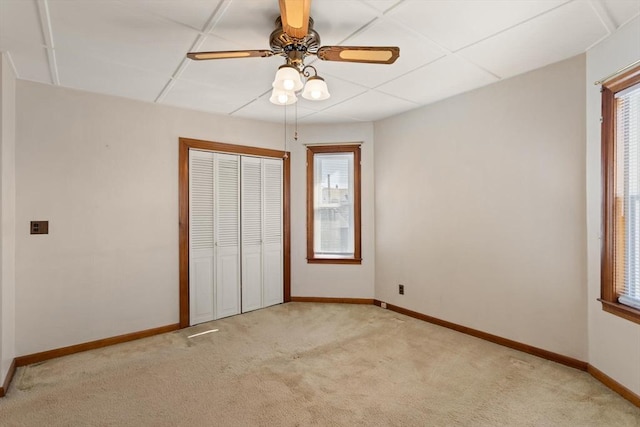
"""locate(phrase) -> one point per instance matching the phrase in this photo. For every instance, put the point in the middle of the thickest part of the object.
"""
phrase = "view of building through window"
(333, 204)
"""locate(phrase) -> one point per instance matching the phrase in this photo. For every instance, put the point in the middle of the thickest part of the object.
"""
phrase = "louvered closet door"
(272, 236)
(201, 261)
(251, 233)
(227, 234)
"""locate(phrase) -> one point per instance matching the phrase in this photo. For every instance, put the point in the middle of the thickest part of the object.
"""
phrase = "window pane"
(628, 190)
(333, 205)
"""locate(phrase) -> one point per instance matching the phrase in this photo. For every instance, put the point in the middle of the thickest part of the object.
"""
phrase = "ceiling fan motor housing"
(294, 49)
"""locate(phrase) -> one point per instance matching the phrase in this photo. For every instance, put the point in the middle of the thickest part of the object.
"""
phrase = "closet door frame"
(183, 194)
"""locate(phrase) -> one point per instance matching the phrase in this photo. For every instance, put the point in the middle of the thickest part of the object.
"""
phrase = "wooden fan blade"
(365, 54)
(222, 54)
(295, 17)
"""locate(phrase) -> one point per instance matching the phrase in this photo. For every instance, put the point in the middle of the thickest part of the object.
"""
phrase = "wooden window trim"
(311, 151)
(183, 195)
(609, 293)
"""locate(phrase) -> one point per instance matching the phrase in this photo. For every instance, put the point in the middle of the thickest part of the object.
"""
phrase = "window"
(333, 204)
(621, 195)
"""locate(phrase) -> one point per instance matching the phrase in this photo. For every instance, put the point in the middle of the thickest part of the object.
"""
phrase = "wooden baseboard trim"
(7, 380)
(614, 385)
(334, 300)
(545, 354)
(65, 351)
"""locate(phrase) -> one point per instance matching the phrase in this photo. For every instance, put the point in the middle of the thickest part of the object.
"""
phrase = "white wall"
(480, 209)
(104, 172)
(332, 280)
(7, 215)
(614, 343)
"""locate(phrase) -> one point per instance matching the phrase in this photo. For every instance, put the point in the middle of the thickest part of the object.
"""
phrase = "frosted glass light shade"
(316, 89)
(283, 97)
(287, 78)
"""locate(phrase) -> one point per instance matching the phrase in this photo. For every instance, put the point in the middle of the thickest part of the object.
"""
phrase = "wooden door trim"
(183, 205)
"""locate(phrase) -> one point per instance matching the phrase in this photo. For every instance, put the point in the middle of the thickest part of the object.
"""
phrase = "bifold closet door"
(273, 242)
(201, 253)
(251, 208)
(227, 234)
(261, 212)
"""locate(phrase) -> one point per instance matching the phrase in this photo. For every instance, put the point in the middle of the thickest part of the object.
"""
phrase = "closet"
(235, 234)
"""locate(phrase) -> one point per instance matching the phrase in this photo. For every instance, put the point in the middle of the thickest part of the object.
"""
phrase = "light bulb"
(315, 94)
(282, 98)
(288, 84)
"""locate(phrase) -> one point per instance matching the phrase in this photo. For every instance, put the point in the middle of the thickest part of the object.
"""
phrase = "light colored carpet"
(310, 364)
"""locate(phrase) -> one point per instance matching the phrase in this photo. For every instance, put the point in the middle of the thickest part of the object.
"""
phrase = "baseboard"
(614, 385)
(545, 354)
(334, 300)
(65, 351)
(7, 380)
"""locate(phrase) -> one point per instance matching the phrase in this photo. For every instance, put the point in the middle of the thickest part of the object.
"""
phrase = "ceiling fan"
(294, 38)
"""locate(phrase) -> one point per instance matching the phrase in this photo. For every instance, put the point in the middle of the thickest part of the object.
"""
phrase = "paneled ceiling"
(136, 49)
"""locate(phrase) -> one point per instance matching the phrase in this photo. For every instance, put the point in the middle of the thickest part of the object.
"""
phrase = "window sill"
(621, 310)
(334, 260)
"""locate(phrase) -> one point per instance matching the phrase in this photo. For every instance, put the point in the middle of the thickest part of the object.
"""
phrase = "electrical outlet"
(401, 289)
(383, 305)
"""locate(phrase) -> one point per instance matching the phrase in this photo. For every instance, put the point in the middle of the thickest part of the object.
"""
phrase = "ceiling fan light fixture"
(283, 97)
(287, 78)
(316, 89)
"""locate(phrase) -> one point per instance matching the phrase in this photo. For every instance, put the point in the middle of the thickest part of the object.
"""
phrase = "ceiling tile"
(340, 91)
(219, 98)
(87, 73)
(371, 106)
(192, 13)
(19, 23)
(562, 33)
(445, 77)
(335, 20)
(247, 75)
(458, 23)
(381, 5)
(262, 109)
(622, 10)
(110, 32)
(248, 23)
(31, 63)
(414, 52)
(322, 117)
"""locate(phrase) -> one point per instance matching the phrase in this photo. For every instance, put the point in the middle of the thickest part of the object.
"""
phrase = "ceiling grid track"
(47, 34)
(603, 14)
(216, 15)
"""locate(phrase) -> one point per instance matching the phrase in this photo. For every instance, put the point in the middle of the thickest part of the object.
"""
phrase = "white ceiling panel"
(414, 52)
(262, 109)
(246, 75)
(111, 32)
(19, 23)
(221, 98)
(371, 106)
(445, 77)
(133, 48)
(455, 24)
(247, 23)
(87, 73)
(539, 42)
(31, 63)
(322, 117)
(381, 5)
(340, 91)
(622, 10)
(335, 20)
(192, 13)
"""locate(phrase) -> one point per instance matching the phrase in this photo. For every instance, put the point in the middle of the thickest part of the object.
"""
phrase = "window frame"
(334, 149)
(609, 292)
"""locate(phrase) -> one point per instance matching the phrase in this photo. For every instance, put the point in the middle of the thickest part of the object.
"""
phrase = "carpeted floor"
(310, 364)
